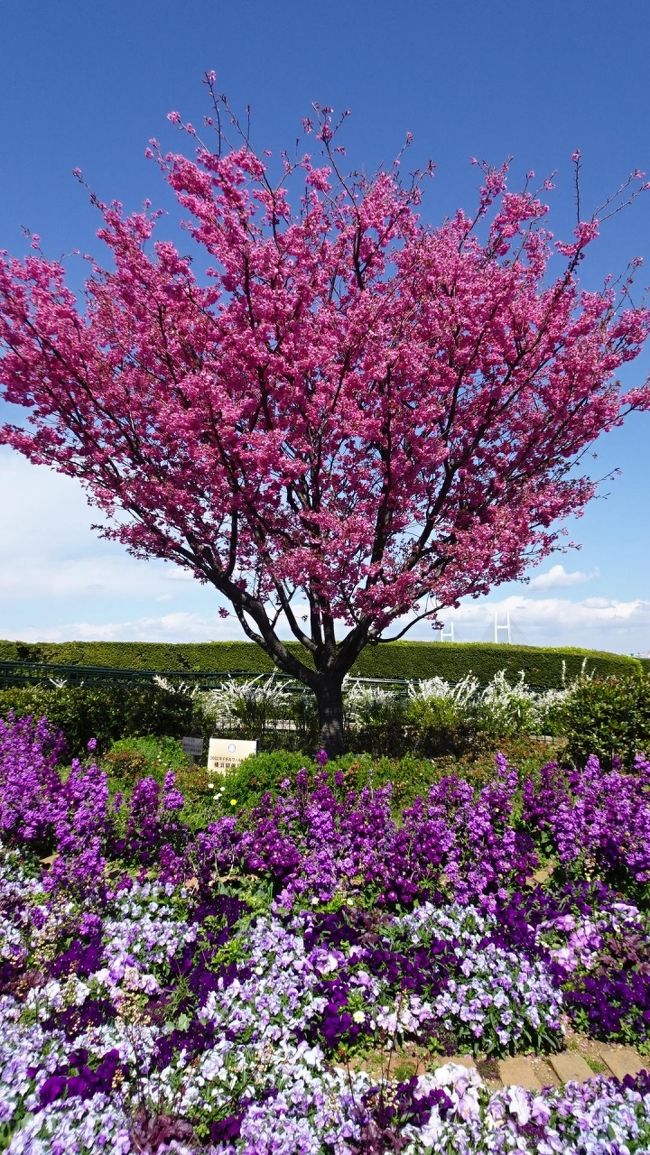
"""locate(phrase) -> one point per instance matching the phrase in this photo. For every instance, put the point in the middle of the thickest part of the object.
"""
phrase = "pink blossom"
(348, 409)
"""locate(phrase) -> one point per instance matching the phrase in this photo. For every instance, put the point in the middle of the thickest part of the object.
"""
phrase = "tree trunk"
(329, 695)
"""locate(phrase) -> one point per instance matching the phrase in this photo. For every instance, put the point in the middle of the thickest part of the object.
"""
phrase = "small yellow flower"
(233, 801)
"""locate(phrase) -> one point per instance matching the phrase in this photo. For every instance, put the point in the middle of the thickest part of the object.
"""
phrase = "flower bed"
(168, 991)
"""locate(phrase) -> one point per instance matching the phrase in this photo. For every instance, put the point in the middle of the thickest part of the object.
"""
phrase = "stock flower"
(144, 978)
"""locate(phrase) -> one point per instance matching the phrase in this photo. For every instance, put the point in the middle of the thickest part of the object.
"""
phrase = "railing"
(34, 673)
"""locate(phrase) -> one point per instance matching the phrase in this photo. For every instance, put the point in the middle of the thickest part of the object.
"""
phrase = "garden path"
(583, 1059)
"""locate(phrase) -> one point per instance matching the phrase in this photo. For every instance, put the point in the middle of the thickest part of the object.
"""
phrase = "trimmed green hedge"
(453, 660)
(199, 657)
(450, 660)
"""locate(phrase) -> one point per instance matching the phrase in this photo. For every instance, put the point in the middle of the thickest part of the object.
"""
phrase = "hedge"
(102, 712)
(453, 660)
(609, 718)
(200, 657)
(407, 659)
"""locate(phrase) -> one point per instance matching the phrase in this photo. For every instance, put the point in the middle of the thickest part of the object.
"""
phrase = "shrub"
(374, 718)
(125, 766)
(263, 709)
(105, 713)
(249, 704)
(454, 720)
(506, 709)
(404, 659)
(610, 718)
(439, 726)
(528, 753)
(410, 776)
(454, 660)
(436, 719)
(61, 706)
(260, 774)
(131, 758)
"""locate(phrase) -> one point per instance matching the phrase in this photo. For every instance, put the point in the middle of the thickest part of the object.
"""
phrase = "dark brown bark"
(329, 696)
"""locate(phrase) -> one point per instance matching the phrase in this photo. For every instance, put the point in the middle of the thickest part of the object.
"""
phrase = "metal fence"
(295, 730)
(39, 673)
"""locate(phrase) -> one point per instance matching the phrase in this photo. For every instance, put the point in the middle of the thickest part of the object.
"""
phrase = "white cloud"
(173, 627)
(110, 576)
(558, 578)
(58, 581)
(592, 623)
(597, 623)
(48, 552)
(41, 510)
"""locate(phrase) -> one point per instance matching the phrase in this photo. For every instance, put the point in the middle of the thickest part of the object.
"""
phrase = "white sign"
(223, 753)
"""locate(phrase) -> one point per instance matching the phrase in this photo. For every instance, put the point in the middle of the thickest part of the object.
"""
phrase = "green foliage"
(131, 758)
(454, 660)
(439, 719)
(505, 709)
(608, 717)
(405, 659)
(410, 776)
(375, 718)
(267, 723)
(191, 657)
(106, 713)
(61, 706)
(150, 756)
(261, 773)
(124, 766)
(526, 752)
(250, 704)
(439, 726)
(9, 653)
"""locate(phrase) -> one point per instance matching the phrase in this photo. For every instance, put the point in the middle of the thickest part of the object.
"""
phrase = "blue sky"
(87, 84)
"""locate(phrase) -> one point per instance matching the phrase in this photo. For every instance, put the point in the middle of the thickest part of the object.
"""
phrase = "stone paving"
(577, 1064)
(584, 1059)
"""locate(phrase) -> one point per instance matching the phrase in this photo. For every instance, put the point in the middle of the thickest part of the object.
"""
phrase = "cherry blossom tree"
(347, 419)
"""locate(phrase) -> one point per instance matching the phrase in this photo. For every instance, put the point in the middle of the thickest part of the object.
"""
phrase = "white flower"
(518, 1103)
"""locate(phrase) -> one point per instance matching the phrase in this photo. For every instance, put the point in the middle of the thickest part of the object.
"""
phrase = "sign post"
(193, 746)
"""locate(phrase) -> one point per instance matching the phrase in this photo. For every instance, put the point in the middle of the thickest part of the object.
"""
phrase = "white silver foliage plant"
(366, 703)
(463, 693)
(249, 701)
